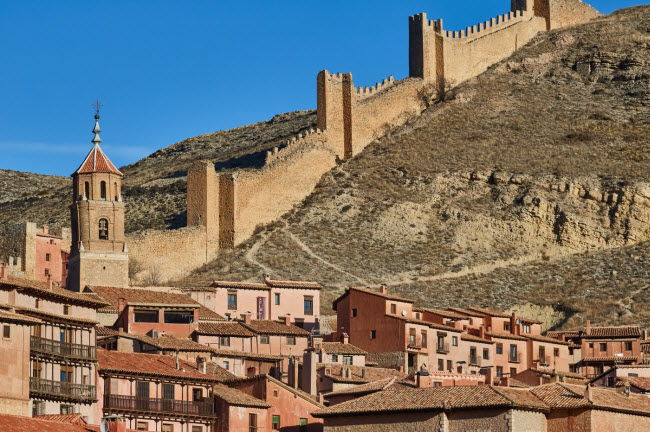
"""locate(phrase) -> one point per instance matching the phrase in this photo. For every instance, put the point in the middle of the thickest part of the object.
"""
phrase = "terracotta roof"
(469, 337)
(28, 424)
(514, 382)
(39, 289)
(539, 338)
(361, 389)
(567, 333)
(247, 355)
(164, 342)
(615, 367)
(466, 312)
(442, 313)
(562, 395)
(270, 327)
(38, 313)
(356, 372)
(405, 399)
(145, 296)
(240, 285)
(645, 347)
(267, 285)
(292, 284)
(545, 371)
(237, 398)
(297, 392)
(341, 348)
(102, 331)
(7, 316)
(425, 323)
(609, 359)
(642, 383)
(628, 331)
(223, 328)
(75, 418)
(97, 161)
(488, 312)
(499, 335)
(371, 292)
(114, 362)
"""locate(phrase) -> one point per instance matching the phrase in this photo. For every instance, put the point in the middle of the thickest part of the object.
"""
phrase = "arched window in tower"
(103, 229)
(87, 190)
(117, 192)
(103, 190)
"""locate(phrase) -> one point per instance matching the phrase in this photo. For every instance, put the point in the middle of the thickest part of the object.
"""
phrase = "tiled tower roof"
(97, 161)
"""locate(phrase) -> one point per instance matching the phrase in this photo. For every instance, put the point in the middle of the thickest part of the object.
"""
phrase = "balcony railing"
(474, 360)
(442, 348)
(544, 360)
(514, 357)
(64, 349)
(163, 406)
(62, 390)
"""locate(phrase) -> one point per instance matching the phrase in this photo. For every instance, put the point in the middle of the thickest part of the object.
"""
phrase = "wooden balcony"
(62, 391)
(442, 348)
(50, 347)
(167, 407)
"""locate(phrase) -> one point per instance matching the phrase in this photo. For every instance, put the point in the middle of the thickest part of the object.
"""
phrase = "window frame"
(290, 340)
(264, 339)
(308, 305)
(6, 331)
(103, 229)
(232, 305)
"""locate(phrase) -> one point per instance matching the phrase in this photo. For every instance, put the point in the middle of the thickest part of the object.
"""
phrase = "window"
(66, 310)
(197, 394)
(347, 359)
(303, 425)
(179, 317)
(226, 365)
(335, 358)
(65, 335)
(232, 301)
(37, 303)
(224, 341)
(168, 391)
(67, 409)
(570, 350)
(472, 356)
(264, 339)
(167, 427)
(499, 348)
(275, 422)
(603, 346)
(486, 354)
(393, 308)
(47, 257)
(417, 315)
(354, 313)
(526, 328)
(373, 334)
(437, 384)
(591, 345)
(542, 355)
(633, 375)
(252, 422)
(116, 190)
(449, 365)
(87, 190)
(103, 229)
(37, 368)
(423, 338)
(611, 381)
(454, 340)
(142, 389)
(506, 326)
(471, 321)
(145, 316)
(412, 336)
(6, 331)
(38, 408)
(309, 305)
(66, 373)
(441, 364)
(499, 371)
(47, 272)
(628, 346)
(556, 352)
(197, 428)
(275, 393)
(291, 340)
(277, 299)
(102, 188)
(142, 426)
(513, 353)
(513, 372)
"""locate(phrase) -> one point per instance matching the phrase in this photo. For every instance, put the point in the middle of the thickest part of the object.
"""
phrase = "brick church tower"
(98, 255)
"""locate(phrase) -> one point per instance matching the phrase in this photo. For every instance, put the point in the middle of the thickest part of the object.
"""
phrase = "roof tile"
(97, 161)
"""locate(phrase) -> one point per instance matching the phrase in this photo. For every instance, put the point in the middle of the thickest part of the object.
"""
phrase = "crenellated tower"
(98, 255)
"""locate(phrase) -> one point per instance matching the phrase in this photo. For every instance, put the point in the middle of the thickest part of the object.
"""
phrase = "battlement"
(482, 29)
(294, 145)
(364, 92)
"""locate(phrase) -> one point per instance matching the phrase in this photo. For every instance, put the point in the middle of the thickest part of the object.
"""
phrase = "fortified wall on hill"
(224, 208)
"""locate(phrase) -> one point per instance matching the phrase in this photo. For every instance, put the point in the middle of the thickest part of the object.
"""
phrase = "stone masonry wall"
(606, 421)
(408, 422)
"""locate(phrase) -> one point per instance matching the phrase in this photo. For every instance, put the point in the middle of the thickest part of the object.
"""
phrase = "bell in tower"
(99, 256)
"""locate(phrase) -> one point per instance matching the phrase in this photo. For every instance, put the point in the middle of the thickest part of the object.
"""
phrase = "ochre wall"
(14, 370)
(409, 422)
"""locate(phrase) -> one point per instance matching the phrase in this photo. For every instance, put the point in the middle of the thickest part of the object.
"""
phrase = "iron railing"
(474, 360)
(442, 348)
(64, 349)
(514, 357)
(61, 389)
(163, 406)
(544, 360)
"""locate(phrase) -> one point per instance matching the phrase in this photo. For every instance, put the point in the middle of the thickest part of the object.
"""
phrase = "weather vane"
(97, 106)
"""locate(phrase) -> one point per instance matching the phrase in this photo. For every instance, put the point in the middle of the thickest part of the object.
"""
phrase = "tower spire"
(96, 130)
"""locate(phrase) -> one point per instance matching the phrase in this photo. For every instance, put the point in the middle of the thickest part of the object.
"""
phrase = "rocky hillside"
(527, 187)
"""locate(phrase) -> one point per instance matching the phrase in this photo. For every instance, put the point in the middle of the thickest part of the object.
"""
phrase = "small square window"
(47, 257)
(264, 339)
(373, 334)
(47, 272)
(226, 365)
(275, 393)
(454, 340)
(393, 308)
(556, 352)
(603, 346)
(291, 340)
(354, 313)
(224, 341)
(277, 299)
(197, 428)
(6, 331)
(335, 358)
(628, 346)
(66, 310)
(275, 422)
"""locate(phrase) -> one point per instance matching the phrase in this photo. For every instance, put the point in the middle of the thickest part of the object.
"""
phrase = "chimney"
(252, 371)
(401, 369)
(4, 273)
(588, 328)
(267, 277)
(481, 332)
(562, 337)
(178, 366)
(505, 381)
(345, 338)
(46, 229)
(115, 423)
(589, 395)
(292, 378)
(363, 372)
(644, 334)
(49, 282)
(246, 317)
(514, 328)
(121, 303)
(201, 364)
(382, 289)
(309, 372)
(287, 319)
(347, 372)
(321, 399)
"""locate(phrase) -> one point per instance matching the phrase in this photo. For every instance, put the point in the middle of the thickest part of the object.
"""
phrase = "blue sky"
(169, 70)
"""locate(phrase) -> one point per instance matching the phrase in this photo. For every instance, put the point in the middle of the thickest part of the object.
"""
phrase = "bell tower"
(98, 255)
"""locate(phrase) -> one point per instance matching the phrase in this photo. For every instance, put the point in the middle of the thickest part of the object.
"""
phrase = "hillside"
(529, 184)
(539, 164)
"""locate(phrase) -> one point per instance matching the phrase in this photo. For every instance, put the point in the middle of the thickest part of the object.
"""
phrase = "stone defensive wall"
(228, 206)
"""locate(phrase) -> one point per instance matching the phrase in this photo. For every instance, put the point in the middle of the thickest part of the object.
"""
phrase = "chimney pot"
(590, 397)
(287, 319)
(321, 399)
(267, 277)
(4, 274)
(382, 289)
(363, 372)
(246, 317)
(121, 303)
(588, 328)
(49, 282)
(345, 338)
